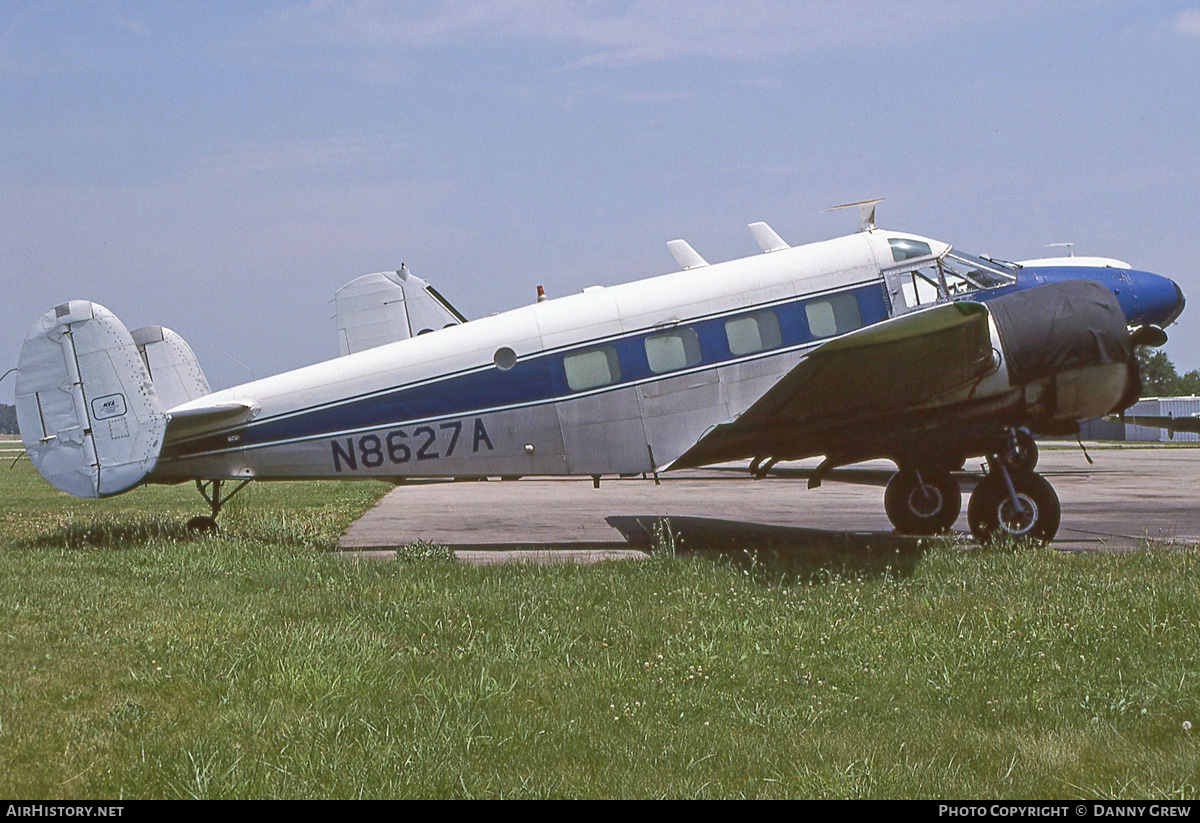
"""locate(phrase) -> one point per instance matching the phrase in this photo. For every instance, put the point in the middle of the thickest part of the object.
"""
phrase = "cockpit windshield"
(966, 272)
(928, 272)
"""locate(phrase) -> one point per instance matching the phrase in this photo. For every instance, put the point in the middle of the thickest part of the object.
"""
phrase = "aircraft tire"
(200, 526)
(913, 510)
(1024, 457)
(990, 511)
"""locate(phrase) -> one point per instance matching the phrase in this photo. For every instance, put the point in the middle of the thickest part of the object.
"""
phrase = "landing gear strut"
(1013, 502)
(923, 498)
(1022, 454)
(922, 501)
(210, 490)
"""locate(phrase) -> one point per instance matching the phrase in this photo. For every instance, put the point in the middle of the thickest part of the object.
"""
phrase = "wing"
(1171, 424)
(863, 383)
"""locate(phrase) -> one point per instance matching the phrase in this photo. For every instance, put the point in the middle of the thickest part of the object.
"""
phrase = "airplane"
(876, 344)
(1189, 423)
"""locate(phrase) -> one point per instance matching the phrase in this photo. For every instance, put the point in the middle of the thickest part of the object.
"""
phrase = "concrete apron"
(1130, 495)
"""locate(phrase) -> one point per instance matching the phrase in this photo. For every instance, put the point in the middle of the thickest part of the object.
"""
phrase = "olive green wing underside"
(860, 381)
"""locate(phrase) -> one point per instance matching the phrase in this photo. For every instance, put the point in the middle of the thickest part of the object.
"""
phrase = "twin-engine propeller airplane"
(879, 344)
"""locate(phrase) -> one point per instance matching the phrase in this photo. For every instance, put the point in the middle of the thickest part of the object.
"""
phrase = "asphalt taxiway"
(1129, 495)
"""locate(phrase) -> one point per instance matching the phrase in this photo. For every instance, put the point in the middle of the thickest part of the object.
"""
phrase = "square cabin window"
(593, 368)
(836, 314)
(755, 332)
(676, 349)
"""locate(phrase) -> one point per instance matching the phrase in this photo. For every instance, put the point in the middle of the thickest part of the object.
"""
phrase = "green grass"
(134, 663)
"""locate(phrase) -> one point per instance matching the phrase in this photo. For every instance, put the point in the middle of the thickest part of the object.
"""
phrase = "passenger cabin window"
(904, 249)
(593, 368)
(755, 332)
(836, 314)
(676, 349)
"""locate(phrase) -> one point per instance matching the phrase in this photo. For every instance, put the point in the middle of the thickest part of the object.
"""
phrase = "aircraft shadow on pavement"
(782, 549)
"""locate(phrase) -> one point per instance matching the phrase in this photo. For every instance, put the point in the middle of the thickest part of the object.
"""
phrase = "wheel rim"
(1017, 523)
(925, 504)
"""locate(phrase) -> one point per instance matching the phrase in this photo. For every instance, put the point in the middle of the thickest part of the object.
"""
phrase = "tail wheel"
(198, 526)
(991, 511)
(922, 502)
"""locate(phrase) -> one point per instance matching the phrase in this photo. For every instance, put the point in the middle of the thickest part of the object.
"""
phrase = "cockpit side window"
(905, 249)
(918, 279)
(921, 286)
(956, 284)
(966, 273)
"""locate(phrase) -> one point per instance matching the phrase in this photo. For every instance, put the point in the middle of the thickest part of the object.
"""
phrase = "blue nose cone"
(1159, 300)
(1145, 297)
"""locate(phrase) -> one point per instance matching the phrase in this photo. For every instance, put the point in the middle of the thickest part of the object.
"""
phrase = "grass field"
(134, 663)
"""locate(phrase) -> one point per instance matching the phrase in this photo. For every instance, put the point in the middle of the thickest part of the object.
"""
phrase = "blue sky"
(221, 168)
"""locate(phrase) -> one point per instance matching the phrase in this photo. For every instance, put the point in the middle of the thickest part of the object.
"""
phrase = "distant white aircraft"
(879, 344)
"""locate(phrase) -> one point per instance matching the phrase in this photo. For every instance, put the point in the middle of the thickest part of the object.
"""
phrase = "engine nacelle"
(1068, 344)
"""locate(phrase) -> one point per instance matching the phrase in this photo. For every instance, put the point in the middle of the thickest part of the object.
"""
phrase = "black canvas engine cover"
(1060, 326)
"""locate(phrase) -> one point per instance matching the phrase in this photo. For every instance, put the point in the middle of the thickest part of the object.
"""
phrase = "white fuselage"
(621, 379)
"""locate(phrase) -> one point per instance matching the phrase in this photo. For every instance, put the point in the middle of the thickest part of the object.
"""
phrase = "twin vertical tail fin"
(385, 307)
(91, 418)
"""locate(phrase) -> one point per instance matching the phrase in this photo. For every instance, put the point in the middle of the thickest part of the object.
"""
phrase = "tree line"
(1159, 378)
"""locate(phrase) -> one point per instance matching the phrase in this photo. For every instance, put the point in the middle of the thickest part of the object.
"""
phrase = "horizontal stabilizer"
(384, 307)
(172, 365)
(90, 417)
(214, 413)
(766, 238)
(197, 417)
(685, 255)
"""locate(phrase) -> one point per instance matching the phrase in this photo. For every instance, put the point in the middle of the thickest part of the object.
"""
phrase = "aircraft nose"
(1180, 301)
(1161, 298)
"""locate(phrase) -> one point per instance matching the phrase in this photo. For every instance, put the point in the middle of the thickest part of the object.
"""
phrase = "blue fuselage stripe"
(533, 380)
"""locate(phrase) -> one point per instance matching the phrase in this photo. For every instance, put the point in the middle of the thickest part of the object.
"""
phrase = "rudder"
(90, 418)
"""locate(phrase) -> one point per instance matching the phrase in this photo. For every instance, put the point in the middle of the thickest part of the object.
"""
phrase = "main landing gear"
(211, 491)
(922, 501)
(1016, 503)
(1011, 498)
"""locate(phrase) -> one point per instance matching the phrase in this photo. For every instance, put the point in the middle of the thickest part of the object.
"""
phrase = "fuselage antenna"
(866, 211)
